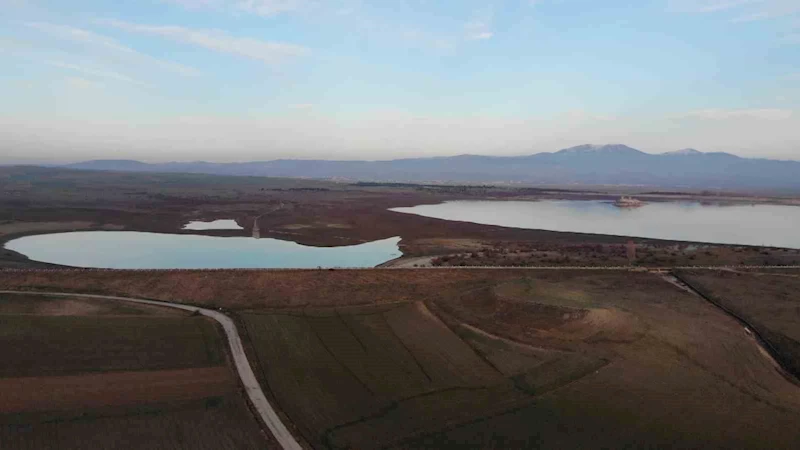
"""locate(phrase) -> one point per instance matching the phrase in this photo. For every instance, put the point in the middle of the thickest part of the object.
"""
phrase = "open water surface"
(213, 225)
(763, 225)
(137, 250)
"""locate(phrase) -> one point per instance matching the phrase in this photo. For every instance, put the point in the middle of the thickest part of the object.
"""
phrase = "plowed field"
(88, 373)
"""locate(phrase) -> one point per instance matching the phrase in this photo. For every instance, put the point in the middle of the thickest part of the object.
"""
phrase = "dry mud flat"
(81, 373)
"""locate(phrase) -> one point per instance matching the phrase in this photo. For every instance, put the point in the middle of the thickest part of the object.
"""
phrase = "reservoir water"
(136, 250)
(765, 225)
(213, 225)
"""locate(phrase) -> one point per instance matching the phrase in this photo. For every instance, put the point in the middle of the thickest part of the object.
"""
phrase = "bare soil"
(212, 423)
(581, 359)
(235, 289)
(80, 373)
(65, 345)
(770, 302)
(112, 389)
(28, 227)
(674, 362)
(72, 306)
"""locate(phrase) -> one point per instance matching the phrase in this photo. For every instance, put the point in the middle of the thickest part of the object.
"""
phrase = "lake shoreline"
(689, 222)
(147, 250)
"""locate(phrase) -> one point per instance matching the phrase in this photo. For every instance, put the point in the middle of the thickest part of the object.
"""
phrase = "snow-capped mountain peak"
(684, 152)
(606, 149)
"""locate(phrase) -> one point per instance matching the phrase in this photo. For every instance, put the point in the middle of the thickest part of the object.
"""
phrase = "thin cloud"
(746, 10)
(482, 35)
(751, 17)
(480, 27)
(768, 14)
(265, 8)
(425, 39)
(89, 37)
(269, 7)
(216, 40)
(709, 6)
(725, 114)
(95, 72)
(749, 11)
(81, 83)
(194, 4)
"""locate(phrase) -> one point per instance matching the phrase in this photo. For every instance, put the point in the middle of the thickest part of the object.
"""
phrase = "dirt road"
(243, 368)
(65, 269)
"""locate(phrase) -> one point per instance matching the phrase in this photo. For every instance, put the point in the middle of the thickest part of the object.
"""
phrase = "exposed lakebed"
(138, 250)
(762, 225)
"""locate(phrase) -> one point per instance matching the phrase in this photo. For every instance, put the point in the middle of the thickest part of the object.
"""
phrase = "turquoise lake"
(137, 250)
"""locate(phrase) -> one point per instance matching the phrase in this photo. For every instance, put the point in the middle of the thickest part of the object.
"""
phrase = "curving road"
(245, 371)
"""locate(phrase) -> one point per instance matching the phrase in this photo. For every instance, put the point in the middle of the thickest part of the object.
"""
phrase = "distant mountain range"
(585, 164)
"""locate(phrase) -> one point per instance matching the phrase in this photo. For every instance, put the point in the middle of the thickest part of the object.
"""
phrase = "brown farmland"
(248, 289)
(770, 302)
(371, 378)
(83, 373)
(76, 306)
(512, 359)
(679, 371)
(62, 345)
(488, 358)
(72, 392)
(221, 423)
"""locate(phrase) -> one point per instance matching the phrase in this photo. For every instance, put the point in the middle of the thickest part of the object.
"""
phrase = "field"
(527, 254)
(81, 373)
(767, 301)
(534, 359)
(37, 345)
(86, 391)
(481, 358)
(258, 288)
(371, 377)
(674, 363)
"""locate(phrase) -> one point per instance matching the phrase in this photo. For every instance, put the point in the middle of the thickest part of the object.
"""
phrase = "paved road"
(253, 389)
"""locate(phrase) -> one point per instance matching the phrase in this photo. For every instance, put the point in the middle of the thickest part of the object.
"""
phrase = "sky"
(241, 80)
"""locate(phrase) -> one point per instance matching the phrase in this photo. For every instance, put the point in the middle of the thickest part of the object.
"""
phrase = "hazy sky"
(228, 80)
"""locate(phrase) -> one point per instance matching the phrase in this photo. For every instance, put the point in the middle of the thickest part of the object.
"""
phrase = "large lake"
(766, 225)
(135, 250)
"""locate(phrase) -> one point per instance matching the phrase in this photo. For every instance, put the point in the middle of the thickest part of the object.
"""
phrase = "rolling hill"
(585, 164)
